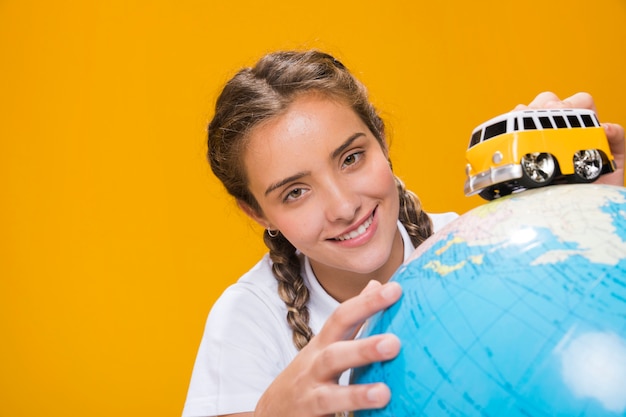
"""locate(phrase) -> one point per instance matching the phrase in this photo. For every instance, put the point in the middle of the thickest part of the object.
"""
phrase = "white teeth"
(359, 231)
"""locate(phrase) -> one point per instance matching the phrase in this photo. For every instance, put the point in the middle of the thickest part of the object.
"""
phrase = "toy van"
(533, 148)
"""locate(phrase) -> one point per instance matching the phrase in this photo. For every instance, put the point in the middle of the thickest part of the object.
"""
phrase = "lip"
(365, 237)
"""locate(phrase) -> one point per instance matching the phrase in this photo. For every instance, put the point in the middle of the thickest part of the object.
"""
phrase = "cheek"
(383, 186)
(301, 225)
(382, 180)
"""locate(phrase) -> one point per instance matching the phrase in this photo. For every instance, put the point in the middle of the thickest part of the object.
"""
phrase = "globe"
(517, 308)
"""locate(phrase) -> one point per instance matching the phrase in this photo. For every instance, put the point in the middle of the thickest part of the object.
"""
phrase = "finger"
(371, 286)
(579, 101)
(330, 399)
(615, 137)
(340, 356)
(549, 100)
(351, 313)
(540, 101)
(617, 143)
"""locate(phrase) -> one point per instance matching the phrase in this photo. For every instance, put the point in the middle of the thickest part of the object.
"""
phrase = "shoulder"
(246, 327)
(254, 295)
(245, 345)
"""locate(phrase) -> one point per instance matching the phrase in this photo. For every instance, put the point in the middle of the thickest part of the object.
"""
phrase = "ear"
(253, 214)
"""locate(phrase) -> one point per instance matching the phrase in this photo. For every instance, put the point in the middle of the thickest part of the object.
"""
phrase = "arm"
(614, 132)
(309, 385)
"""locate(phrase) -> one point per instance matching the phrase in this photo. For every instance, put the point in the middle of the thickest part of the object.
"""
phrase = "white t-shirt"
(247, 341)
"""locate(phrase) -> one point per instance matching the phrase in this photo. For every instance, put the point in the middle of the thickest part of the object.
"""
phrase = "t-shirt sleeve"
(441, 219)
(241, 352)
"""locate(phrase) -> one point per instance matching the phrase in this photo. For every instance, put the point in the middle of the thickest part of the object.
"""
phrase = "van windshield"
(495, 129)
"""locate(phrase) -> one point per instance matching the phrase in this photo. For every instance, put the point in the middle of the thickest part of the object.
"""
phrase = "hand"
(308, 386)
(614, 132)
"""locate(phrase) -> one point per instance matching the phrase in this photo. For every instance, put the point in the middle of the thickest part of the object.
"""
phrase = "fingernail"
(374, 394)
(385, 347)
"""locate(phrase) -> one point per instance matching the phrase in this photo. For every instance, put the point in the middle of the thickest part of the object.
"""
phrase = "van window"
(560, 122)
(596, 121)
(545, 122)
(587, 120)
(529, 123)
(475, 138)
(495, 130)
(573, 121)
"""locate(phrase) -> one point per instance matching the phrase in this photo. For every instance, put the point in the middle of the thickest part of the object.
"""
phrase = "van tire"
(587, 165)
(538, 169)
(496, 191)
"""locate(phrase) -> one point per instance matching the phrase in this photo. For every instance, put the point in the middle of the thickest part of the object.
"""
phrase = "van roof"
(533, 112)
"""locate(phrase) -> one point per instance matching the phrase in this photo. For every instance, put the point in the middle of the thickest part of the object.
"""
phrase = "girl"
(298, 144)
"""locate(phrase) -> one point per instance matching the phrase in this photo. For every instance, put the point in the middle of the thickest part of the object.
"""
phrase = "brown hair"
(265, 91)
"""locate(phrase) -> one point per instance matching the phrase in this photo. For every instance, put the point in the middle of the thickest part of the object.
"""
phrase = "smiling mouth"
(358, 231)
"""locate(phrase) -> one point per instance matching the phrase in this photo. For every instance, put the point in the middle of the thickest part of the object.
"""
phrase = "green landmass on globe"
(517, 308)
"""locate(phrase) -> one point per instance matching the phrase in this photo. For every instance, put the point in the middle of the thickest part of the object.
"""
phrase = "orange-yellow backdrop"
(114, 238)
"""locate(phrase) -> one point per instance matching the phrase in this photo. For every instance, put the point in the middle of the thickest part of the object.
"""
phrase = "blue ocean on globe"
(517, 308)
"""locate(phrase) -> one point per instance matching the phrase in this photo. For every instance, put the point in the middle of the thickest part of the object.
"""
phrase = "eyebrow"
(337, 152)
(287, 180)
(334, 155)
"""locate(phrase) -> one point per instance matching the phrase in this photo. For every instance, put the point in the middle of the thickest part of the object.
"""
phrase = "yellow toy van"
(533, 148)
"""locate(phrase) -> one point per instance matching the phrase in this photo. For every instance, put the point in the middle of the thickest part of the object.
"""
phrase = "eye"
(352, 159)
(294, 194)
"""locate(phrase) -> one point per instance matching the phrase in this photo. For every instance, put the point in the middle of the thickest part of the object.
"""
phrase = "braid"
(415, 220)
(291, 287)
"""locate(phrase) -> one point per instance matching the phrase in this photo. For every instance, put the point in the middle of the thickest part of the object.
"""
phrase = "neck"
(343, 284)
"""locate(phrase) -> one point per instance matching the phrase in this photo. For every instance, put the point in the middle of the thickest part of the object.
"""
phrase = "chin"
(369, 265)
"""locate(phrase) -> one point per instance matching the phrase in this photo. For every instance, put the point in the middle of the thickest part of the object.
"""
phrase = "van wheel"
(496, 191)
(487, 194)
(538, 169)
(587, 165)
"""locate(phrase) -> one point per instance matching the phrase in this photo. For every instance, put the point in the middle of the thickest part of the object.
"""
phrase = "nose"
(341, 201)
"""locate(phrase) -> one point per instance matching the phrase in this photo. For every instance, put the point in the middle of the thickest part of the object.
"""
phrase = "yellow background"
(115, 239)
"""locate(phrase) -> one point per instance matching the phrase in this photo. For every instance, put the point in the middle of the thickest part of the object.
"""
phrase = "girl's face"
(322, 179)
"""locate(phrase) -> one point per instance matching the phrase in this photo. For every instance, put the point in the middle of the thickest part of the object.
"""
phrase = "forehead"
(300, 138)
(309, 121)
